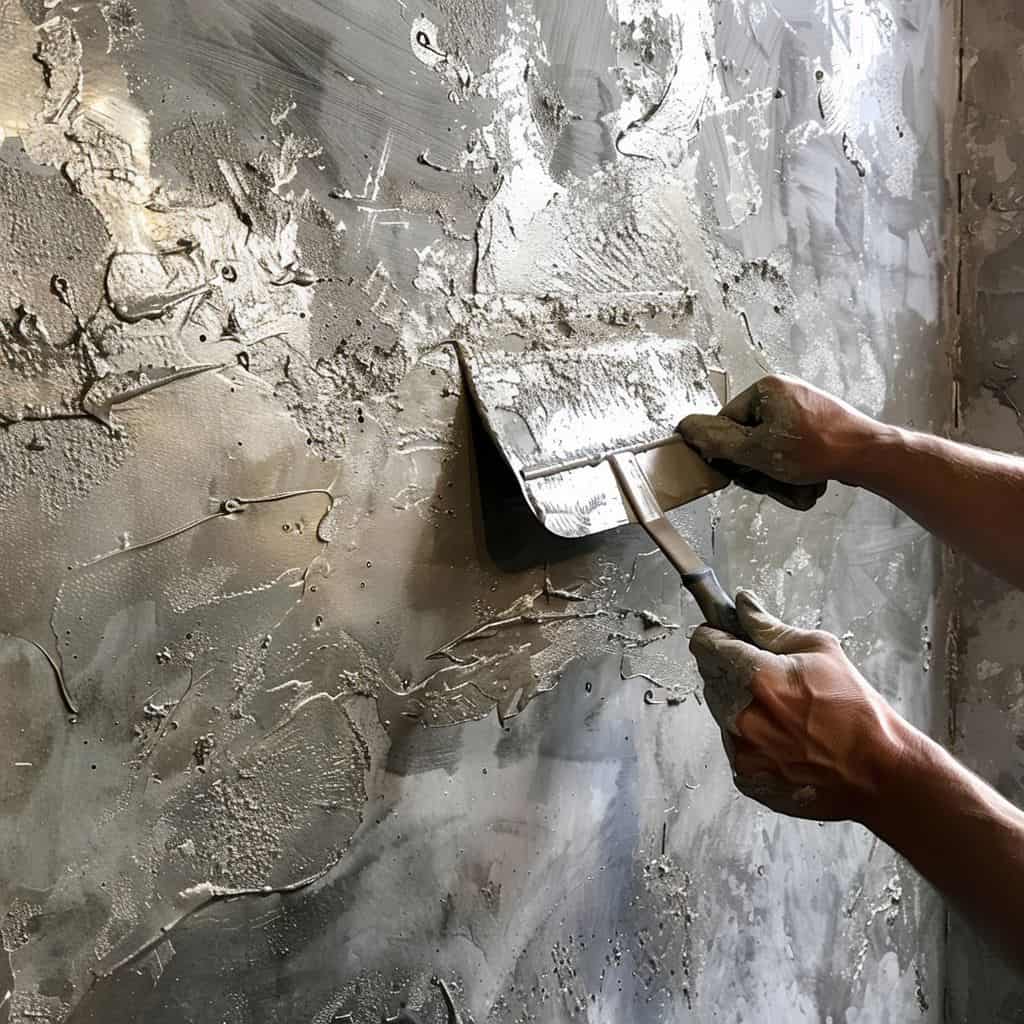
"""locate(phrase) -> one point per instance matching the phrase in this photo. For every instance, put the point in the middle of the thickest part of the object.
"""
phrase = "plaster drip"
(491, 628)
(229, 507)
(102, 395)
(1000, 390)
(550, 590)
(454, 1017)
(58, 674)
(209, 894)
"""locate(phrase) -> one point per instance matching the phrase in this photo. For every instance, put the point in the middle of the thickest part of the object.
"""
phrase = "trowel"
(590, 434)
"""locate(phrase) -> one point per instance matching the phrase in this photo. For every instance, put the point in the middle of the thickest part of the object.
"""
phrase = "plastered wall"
(986, 721)
(304, 719)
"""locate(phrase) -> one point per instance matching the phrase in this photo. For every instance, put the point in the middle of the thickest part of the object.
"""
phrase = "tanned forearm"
(970, 497)
(816, 740)
(788, 431)
(956, 831)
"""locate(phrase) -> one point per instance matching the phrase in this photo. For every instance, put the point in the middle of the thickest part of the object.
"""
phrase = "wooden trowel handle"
(718, 607)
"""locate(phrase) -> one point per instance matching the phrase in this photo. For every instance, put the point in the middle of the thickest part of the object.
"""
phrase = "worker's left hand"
(805, 733)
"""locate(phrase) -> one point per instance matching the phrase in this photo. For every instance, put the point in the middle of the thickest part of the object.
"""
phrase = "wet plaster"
(305, 720)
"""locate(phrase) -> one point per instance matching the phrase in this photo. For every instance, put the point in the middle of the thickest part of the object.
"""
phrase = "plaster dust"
(243, 526)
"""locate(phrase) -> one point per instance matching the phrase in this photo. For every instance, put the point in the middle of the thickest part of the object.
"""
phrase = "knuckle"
(701, 640)
(696, 424)
(825, 641)
(741, 725)
(755, 675)
(760, 686)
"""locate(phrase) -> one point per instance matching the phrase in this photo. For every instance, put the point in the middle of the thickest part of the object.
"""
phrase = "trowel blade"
(557, 413)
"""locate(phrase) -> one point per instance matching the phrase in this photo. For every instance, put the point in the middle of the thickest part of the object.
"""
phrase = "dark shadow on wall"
(512, 536)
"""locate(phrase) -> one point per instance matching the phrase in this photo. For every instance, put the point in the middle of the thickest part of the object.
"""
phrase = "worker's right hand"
(783, 431)
(805, 733)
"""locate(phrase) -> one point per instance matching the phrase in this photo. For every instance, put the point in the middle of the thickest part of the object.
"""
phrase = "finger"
(746, 406)
(728, 667)
(800, 497)
(722, 653)
(716, 437)
(748, 764)
(770, 633)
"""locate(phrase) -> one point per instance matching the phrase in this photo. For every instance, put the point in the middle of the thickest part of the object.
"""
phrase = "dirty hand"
(805, 733)
(783, 437)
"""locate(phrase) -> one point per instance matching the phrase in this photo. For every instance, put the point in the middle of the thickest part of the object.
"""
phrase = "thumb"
(716, 437)
(770, 633)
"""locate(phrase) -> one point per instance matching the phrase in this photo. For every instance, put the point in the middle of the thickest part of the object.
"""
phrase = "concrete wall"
(243, 531)
(988, 716)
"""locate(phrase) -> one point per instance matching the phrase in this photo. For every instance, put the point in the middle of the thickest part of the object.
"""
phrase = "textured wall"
(296, 721)
(988, 700)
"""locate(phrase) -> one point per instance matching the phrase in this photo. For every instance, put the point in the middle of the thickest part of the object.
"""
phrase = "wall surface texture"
(304, 719)
(988, 698)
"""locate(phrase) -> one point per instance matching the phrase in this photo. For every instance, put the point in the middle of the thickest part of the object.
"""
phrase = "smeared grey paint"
(285, 626)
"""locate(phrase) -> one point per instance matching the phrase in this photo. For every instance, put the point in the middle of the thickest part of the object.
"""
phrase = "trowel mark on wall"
(161, 290)
(863, 56)
(167, 301)
(524, 650)
(252, 844)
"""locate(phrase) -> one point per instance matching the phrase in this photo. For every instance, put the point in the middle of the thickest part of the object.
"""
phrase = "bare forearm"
(958, 832)
(970, 497)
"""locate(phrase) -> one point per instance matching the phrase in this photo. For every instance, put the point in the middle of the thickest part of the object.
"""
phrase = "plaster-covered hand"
(805, 733)
(783, 430)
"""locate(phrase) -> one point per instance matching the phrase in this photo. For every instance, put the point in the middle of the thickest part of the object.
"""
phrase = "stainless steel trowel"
(590, 434)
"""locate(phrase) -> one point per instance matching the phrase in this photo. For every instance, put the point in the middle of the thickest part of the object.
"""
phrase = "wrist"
(869, 453)
(894, 757)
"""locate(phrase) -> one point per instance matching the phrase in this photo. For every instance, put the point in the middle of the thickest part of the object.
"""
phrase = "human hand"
(806, 735)
(783, 431)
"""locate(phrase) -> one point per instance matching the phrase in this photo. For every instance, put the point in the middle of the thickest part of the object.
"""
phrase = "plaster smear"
(861, 96)
(669, 124)
(187, 282)
(192, 751)
(187, 743)
(543, 243)
(181, 278)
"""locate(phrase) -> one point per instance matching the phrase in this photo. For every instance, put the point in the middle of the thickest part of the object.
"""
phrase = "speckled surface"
(339, 722)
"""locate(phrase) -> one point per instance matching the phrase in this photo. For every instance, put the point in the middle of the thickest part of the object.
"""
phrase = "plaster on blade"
(556, 414)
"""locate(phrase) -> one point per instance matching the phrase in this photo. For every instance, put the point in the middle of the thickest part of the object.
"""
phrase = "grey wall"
(235, 239)
(988, 717)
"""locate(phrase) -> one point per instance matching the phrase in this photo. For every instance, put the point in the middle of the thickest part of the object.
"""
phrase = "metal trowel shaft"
(540, 470)
(718, 608)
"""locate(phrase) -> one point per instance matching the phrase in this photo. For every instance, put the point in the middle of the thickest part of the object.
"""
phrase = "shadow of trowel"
(513, 537)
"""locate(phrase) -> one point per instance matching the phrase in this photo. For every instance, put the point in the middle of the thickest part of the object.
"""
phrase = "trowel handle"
(718, 607)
